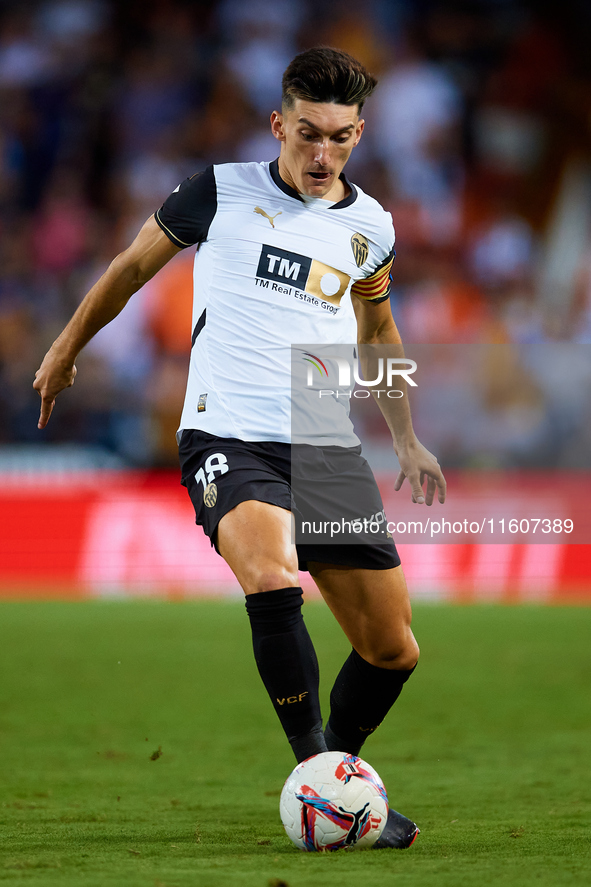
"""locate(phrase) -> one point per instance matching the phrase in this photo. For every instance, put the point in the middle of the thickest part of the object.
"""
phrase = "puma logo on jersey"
(262, 212)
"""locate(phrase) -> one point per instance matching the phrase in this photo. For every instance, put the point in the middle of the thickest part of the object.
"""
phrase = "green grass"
(488, 748)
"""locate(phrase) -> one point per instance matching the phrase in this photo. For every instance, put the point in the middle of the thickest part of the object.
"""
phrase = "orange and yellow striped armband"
(375, 289)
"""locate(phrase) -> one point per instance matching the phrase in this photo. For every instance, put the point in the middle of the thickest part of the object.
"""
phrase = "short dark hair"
(324, 74)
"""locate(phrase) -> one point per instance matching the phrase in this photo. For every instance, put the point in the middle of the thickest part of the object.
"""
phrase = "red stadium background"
(133, 533)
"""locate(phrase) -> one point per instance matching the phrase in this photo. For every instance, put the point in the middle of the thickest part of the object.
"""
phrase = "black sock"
(362, 696)
(287, 663)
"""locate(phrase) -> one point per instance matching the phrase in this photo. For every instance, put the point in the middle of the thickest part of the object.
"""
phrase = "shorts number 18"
(214, 464)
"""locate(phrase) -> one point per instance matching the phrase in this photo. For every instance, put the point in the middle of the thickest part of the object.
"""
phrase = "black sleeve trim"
(379, 301)
(186, 215)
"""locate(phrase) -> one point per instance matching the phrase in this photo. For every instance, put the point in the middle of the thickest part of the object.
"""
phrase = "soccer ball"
(333, 800)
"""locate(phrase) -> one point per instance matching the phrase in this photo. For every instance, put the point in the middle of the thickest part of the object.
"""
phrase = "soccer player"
(287, 252)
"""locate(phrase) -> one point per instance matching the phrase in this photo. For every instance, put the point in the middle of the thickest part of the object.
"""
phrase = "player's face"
(317, 140)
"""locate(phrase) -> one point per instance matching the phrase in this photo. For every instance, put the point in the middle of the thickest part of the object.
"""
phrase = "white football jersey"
(272, 270)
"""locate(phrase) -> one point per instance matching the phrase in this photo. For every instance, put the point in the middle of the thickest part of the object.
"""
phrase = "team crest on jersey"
(210, 495)
(360, 249)
(202, 403)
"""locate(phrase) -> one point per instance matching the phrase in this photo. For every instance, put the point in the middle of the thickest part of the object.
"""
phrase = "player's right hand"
(51, 378)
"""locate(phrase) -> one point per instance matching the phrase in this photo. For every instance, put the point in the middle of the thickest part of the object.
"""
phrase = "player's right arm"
(126, 274)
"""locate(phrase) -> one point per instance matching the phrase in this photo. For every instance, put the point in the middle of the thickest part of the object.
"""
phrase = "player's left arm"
(376, 326)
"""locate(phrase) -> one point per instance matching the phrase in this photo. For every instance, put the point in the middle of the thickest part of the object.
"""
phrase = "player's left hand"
(416, 463)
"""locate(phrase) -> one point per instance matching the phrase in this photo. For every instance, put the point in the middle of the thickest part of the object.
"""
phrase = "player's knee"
(271, 577)
(410, 655)
(401, 654)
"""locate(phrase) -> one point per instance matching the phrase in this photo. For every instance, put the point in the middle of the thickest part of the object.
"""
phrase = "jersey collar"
(291, 192)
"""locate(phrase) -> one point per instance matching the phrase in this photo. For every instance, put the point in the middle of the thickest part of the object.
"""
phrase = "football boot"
(399, 832)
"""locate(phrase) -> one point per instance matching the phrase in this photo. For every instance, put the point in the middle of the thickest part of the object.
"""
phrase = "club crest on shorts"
(360, 249)
(210, 495)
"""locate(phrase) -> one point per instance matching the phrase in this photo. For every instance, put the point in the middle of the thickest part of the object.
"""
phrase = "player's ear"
(358, 131)
(277, 126)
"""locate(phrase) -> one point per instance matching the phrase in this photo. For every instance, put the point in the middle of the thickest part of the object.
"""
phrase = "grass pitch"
(137, 747)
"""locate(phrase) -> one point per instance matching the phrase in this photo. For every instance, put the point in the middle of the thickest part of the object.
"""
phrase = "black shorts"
(330, 490)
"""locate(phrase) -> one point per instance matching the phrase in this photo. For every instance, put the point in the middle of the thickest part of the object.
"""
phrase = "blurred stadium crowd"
(477, 141)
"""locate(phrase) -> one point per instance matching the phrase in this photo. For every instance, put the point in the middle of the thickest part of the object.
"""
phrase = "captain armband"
(375, 289)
